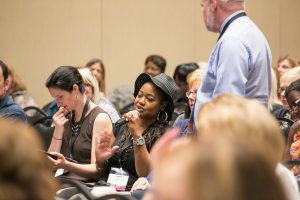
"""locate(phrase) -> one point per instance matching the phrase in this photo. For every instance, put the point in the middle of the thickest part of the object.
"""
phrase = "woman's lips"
(139, 109)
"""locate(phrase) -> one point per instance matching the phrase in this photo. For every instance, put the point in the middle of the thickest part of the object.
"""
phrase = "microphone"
(124, 120)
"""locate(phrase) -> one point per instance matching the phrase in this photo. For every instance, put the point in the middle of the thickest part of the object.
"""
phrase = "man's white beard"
(210, 19)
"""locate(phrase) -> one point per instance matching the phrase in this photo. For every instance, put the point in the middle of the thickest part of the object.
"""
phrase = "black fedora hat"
(162, 81)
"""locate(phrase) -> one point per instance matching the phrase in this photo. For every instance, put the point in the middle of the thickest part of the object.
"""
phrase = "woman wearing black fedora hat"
(126, 151)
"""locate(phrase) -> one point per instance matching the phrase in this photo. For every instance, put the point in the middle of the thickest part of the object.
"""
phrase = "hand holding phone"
(50, 155)
(55, 157)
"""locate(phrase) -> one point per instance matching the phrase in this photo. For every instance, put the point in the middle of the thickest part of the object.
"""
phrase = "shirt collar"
(228, 18)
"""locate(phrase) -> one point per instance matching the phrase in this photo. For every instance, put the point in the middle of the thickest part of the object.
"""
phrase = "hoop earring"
(162, 116)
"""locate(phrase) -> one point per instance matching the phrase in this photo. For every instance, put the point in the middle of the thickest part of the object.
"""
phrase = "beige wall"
(38, 36)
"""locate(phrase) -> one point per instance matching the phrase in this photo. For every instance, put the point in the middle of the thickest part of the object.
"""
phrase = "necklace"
(76, 126)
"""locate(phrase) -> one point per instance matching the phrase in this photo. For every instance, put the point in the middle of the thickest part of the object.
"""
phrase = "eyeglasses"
(295, 104)
(191, 92)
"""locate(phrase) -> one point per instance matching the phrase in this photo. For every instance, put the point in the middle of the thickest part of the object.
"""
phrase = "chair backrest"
(115, 196)
(80, 187)
(42, 123)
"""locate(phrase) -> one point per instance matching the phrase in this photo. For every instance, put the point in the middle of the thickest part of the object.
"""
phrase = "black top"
(124, 158)
(284, 118)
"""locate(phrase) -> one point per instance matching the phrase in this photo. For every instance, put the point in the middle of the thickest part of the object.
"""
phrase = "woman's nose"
(142, 100)
(58, 103)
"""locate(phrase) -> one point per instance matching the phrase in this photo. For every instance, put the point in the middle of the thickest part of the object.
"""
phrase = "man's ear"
(213, 4)
(7, 85)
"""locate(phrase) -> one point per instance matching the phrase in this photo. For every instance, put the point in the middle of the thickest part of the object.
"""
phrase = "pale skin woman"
(149, 103)
(97, 68)
(74, 101)
(97, 71)
(192, 93)
(284, 64)
(65, 101)
(285, 80)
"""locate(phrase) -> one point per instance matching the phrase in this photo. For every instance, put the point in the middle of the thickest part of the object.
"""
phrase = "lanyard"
(77, 126)
(230, 21)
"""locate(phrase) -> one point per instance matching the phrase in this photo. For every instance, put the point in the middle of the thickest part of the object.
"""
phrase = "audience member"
(284, 114)
(18, 91)
(224, 117)
(292, 94)
(274, 103)
(24, 171)
(92, 92)
(241, 61)
(285, 63)
(180, 76)
(286, 79)
(97, 68)
(76, 122)
(194, 80)
(154, 98)
(8, 108)
(212, 170)
(122, 97)
(155, 64)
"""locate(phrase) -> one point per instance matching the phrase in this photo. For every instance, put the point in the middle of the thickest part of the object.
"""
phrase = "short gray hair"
(229, 3)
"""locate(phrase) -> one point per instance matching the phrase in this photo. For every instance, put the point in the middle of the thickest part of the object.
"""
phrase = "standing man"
(241, 61)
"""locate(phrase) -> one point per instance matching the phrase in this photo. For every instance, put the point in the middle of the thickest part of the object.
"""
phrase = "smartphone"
(55, 157)
(50, 155)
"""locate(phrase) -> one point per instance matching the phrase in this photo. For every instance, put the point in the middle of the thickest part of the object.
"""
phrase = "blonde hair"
(101, 83)
(90, 79)
(232, 4)
(293, 62)
(291, 75)
(274, 90)
(237, 118)
(195, 75)
(216, 169)
(24, 171)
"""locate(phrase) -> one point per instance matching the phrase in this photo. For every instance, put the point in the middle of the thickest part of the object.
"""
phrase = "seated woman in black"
(128, 148)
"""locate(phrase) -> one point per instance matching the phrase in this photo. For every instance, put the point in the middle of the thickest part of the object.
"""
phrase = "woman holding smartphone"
(76, 122)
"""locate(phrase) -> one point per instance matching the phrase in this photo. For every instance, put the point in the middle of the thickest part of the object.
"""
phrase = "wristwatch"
(139, 142)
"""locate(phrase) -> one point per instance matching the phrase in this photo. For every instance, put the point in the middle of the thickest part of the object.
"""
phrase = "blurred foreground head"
(220, 169)
(243, 120)
(24, 170)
